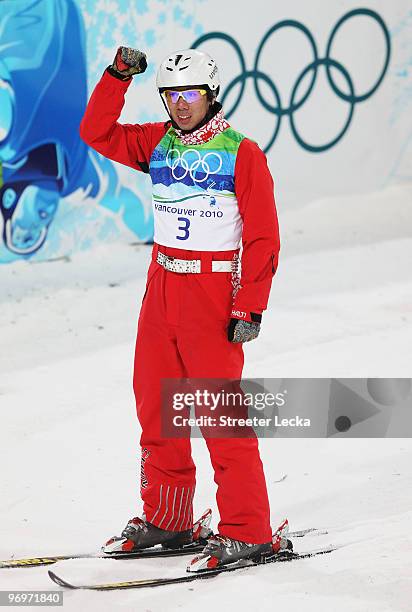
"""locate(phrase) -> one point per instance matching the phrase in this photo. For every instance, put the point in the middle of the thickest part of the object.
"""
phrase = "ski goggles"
(188, 95)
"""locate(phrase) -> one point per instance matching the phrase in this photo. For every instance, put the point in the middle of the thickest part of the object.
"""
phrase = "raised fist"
(128, 62)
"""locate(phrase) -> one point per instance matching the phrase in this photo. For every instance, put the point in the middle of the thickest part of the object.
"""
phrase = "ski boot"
(140, 534)
(221, 550)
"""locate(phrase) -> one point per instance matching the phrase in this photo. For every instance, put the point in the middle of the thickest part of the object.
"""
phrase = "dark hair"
(212, 95)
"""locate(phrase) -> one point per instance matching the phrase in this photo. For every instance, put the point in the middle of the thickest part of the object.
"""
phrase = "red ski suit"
(182, 331)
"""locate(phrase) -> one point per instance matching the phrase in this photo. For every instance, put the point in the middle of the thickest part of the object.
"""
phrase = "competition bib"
(194, 201)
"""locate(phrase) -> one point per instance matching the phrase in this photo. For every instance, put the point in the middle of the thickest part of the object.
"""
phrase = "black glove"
(244, 331)
(127, 63)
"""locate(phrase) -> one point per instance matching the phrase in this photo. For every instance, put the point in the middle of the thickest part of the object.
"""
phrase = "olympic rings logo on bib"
(183, 164)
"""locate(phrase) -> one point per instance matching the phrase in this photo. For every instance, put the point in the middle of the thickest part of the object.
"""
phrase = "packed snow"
(341, 306)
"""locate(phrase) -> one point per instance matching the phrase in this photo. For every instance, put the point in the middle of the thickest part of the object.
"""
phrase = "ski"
(148, 553)
(282, 556)
(201, 530)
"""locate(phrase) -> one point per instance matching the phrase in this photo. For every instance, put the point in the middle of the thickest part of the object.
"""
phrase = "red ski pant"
(182, 334)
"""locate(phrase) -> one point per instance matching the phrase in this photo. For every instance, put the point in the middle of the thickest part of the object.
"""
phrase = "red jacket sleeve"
(260, 237)
(128, 144)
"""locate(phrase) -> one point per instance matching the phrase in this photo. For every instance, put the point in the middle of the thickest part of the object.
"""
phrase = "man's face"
(187, 114)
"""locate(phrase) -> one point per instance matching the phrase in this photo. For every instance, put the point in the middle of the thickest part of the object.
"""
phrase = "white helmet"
(186, 68)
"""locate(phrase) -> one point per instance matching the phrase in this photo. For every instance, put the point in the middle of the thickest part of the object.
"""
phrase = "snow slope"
(341, 306)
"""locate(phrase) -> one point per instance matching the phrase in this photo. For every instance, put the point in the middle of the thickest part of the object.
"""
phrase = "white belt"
(193, 266)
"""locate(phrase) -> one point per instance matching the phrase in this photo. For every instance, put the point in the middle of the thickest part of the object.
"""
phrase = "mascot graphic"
(43, 94)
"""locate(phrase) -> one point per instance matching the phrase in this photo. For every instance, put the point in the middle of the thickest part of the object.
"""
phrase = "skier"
(212, 191)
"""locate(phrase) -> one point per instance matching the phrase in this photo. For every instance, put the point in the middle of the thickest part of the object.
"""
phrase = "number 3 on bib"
(183, 227)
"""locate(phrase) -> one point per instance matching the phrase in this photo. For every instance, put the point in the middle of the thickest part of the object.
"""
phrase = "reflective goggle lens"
(189, 95)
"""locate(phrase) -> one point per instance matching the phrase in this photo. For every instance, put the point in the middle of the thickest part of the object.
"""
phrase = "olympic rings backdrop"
(322, 87)
(312, 68)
